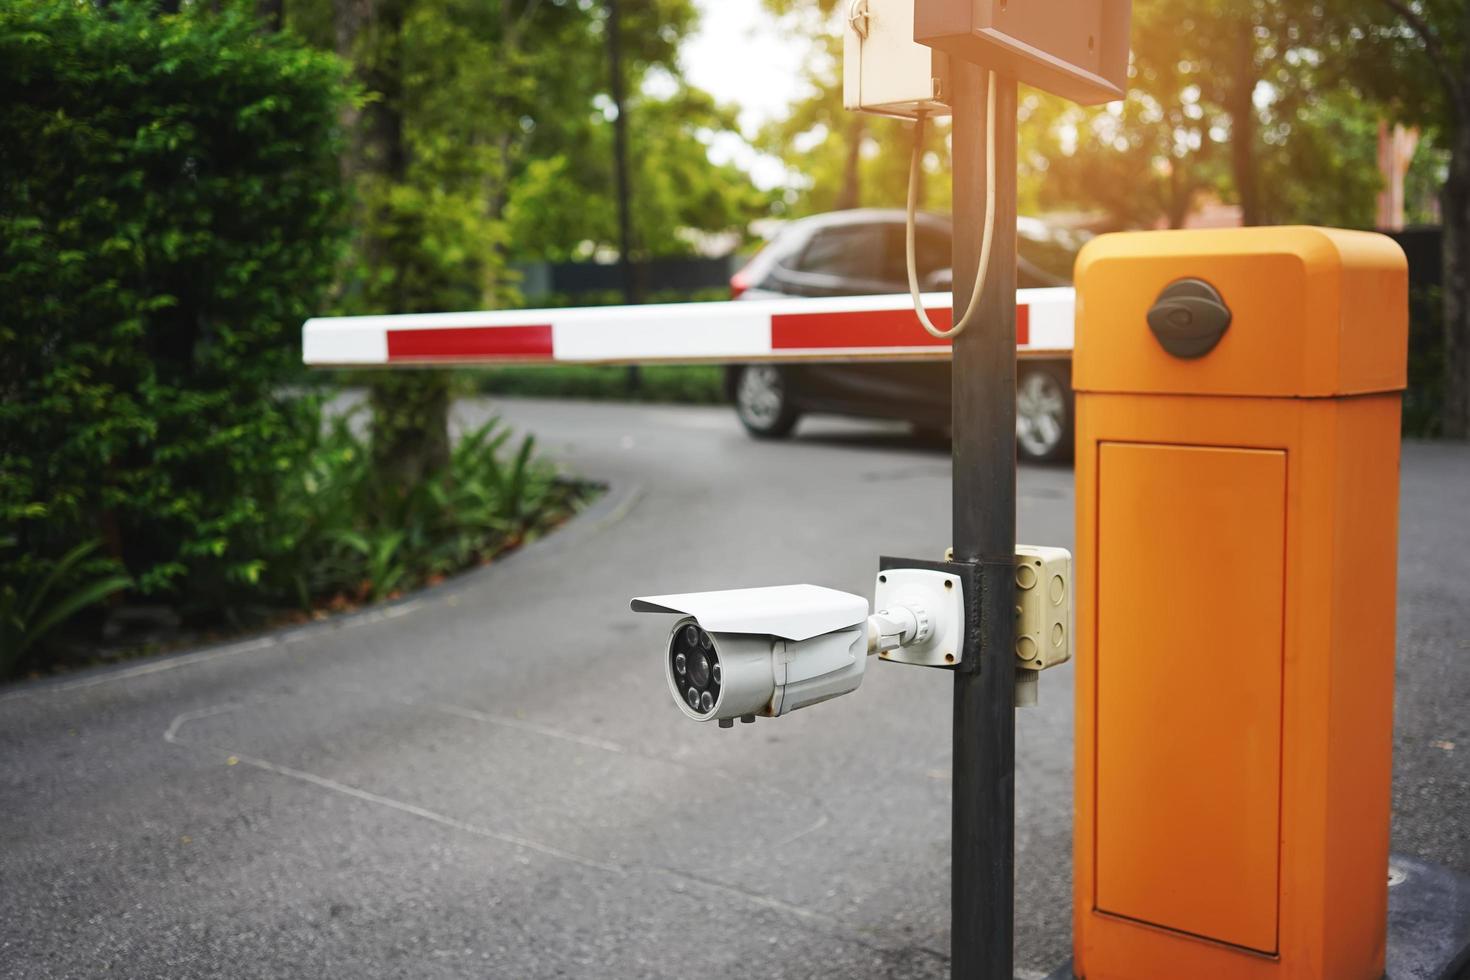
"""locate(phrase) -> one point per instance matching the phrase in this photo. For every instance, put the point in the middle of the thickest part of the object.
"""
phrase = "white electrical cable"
(989, 233)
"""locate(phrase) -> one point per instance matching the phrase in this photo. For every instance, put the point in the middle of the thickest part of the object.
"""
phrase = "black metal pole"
(984, 421)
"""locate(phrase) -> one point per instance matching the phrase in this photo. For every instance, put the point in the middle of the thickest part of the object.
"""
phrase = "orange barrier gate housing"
(1238, 398)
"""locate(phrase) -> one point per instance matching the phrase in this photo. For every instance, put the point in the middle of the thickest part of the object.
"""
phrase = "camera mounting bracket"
(947, 593)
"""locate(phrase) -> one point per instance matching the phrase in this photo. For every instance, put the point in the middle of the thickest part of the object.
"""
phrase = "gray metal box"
(1077, 49)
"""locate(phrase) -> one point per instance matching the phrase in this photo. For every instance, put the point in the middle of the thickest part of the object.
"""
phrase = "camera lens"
(696, 667)
(699, 670)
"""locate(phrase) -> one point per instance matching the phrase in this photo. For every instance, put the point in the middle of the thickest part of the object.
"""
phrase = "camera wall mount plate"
(941, 597)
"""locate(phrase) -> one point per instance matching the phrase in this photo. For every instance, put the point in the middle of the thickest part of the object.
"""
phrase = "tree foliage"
(558, 209)
(1226, 98)
(1273, 105)
(845, 159)
(169, 212)
(483, 136)
(1413, 56)
(516, 92)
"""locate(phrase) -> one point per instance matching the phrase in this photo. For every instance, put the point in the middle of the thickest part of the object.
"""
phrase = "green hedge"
(685, 384)
(171, 209)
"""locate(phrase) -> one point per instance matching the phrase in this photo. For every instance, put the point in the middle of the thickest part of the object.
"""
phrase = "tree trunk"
(496, 184)
(272, 14)
(1240, 103)
(622, 179)
(851, 194)
(496, 188)
(1456, 201)
(410, 428)
(349, 18)
(630, 274)
(1181, 197)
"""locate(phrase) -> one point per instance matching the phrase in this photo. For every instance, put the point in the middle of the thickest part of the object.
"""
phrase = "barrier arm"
(846, 328)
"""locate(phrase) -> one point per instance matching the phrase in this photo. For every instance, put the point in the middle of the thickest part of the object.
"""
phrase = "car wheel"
(1043, 414)
(763, 401)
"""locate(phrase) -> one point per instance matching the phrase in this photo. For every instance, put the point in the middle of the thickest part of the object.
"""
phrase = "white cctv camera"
(739, 653)
(746, 652)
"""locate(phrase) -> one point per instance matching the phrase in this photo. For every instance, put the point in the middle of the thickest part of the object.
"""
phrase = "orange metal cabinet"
(1237, 508)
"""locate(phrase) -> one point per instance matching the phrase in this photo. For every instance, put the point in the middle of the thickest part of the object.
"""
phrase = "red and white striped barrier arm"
(826, 329)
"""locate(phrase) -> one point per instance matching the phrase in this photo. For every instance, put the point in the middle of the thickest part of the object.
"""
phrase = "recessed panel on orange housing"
(1189, 688)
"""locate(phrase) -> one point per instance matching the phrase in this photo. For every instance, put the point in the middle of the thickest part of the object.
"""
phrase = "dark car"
(861, 252)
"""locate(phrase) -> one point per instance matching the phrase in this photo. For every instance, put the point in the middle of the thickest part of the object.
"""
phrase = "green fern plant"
(30, 612)
(383, 566)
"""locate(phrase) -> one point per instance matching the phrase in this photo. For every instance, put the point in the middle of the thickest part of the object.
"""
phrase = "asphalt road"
(489, 780)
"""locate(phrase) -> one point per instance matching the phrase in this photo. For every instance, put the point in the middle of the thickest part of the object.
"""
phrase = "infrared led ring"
(696, 668)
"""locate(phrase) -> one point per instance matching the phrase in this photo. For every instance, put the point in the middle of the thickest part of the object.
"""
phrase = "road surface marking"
(833, 925)
(171, 736)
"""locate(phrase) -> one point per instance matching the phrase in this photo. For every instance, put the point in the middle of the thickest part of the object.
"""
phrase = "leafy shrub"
(690, 384)
(170, 211)
(340, 531)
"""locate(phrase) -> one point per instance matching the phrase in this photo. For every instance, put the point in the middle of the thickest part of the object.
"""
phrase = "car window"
(784, 248)
(846, 252)
(931, 253)
(1029, 276)
(1050, 257)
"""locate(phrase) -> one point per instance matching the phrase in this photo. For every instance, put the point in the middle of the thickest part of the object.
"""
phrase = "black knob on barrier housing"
(1189, 318)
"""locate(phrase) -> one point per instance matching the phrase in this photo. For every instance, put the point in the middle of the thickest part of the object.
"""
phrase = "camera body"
(739, 653)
